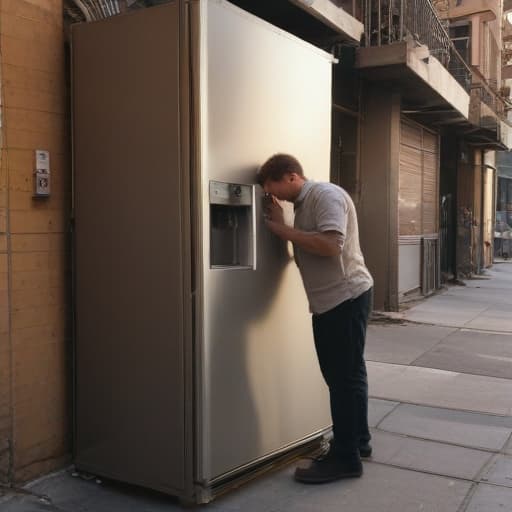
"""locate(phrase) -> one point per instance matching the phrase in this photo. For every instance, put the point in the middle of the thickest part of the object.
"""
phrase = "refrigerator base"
(204, 493)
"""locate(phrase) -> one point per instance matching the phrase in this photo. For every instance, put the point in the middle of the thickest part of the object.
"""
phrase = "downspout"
(493, 207)
(481, 263)
(494, 204)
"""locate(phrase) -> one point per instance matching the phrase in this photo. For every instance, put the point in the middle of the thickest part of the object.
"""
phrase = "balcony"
(333, 15)
(487, 115)
(487, 10)
(320, 22)
(406, 44)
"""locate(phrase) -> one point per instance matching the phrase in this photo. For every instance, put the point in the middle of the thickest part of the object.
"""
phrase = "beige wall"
(34, 304)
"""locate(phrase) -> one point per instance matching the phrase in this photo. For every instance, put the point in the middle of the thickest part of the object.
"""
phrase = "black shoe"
(329, 468)
(365, 450)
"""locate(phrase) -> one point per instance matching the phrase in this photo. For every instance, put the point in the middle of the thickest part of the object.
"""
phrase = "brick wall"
(34, 255)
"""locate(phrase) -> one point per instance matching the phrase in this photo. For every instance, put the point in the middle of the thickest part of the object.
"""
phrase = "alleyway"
(441, 412)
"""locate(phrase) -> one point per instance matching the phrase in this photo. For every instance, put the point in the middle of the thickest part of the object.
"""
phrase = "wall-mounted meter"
(42, 173)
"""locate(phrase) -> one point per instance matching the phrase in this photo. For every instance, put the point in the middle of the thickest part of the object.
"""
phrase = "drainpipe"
(485, 167)
(482, 216)
(493, 207)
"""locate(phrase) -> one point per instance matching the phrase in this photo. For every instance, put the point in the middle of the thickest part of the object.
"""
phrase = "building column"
(468, 162)
(378, 200)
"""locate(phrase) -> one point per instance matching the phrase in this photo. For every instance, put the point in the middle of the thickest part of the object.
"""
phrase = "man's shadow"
(242, 348)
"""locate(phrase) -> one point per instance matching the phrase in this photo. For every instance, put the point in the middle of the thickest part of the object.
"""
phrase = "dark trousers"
(339, 340)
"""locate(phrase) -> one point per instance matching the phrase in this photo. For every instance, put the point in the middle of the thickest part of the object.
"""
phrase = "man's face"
(285, 189)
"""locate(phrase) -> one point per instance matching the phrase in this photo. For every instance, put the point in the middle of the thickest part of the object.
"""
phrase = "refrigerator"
(194, 360)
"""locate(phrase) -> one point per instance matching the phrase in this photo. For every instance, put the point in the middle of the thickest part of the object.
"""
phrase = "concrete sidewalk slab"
(382, 489)
(508, 448)
(483, 303)
(496, 318)
(402, 344)
(471, 352)
(499, 471)
(428, 456)
(68, 494)
(440, 388)
(488, 295)
(445, 310)
(378, 410)
(498, 276)
(490, 498)
(456, 427)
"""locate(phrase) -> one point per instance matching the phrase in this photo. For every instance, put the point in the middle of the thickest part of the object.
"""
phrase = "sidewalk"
(440, 410)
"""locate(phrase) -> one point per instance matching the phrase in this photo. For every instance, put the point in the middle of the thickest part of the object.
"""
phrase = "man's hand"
(273, 212)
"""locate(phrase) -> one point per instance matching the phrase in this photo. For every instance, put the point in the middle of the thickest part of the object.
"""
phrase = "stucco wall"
(34, 298)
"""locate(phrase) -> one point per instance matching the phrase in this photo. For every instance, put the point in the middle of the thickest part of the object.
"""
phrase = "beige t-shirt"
(330, 280)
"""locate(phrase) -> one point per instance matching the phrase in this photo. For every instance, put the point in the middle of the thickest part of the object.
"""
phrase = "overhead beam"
(333, 16)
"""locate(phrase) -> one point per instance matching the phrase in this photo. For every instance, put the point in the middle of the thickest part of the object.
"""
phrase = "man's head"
(282, 176)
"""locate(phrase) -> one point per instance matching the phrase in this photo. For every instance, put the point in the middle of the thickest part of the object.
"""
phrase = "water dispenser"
(232, 226)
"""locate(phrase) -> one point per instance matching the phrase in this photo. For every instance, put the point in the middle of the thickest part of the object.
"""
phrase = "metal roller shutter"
(418, 181)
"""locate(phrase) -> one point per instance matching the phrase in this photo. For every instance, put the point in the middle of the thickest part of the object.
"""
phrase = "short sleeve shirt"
(330, 280)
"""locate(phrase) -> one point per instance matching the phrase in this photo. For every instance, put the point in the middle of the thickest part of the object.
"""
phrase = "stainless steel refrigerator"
(194, 357)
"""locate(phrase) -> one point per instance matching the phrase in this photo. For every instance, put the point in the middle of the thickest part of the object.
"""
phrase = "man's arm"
(328, 243)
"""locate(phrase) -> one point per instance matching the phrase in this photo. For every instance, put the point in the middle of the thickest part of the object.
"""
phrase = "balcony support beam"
(333, 16)
(426, 81)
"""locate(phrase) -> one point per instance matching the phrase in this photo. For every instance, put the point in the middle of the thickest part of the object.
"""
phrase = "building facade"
(431, 114)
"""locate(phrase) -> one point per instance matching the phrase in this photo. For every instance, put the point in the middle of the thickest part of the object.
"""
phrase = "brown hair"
(277, 166)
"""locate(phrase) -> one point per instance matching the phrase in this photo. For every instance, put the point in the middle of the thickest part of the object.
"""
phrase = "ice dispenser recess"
(232, 244)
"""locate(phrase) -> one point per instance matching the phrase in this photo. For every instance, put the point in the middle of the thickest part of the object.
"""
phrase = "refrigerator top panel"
(262, 91)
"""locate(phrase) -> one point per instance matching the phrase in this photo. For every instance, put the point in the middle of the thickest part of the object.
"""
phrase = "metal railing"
(416, 21)
(392, 21)
(459, 69)
(486, 95)
(486, 92)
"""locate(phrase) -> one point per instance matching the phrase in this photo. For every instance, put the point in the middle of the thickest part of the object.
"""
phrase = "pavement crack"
(7, 491)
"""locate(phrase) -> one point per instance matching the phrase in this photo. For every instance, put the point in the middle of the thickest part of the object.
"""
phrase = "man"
(339, 290)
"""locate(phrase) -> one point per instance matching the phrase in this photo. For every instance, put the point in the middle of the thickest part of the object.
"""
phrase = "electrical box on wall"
(42, 173)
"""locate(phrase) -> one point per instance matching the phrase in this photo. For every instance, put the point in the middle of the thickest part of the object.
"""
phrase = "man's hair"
(277, 166)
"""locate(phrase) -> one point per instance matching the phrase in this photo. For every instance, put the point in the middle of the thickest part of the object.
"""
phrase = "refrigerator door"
(131, 246)
(262, 91)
